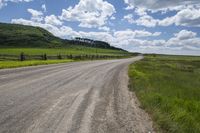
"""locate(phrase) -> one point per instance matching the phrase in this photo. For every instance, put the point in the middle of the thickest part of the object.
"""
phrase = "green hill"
(21, 36)
(14, 35)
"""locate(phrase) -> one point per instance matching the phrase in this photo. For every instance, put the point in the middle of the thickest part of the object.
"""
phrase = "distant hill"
(21, 36)
(14, 35)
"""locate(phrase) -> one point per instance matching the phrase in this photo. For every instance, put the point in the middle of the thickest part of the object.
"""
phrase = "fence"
(23, 57)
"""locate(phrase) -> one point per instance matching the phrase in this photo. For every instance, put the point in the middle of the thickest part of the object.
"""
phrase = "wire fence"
(23, 57)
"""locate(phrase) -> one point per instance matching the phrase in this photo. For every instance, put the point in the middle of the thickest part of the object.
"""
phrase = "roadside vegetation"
(168, 88)
(12, 57)
(75, 50)
(14, 64)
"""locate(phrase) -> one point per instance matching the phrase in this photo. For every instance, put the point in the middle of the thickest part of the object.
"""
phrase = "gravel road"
(79, 97)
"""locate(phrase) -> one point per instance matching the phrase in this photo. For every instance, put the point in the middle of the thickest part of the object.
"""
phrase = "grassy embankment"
(79, 50)
(168, 88)
(14, 64)
(75, 50)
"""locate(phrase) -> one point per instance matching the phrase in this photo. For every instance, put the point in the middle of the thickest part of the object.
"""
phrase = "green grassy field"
(79, 50)
(14, 64)
(169, 90)
(64, 51)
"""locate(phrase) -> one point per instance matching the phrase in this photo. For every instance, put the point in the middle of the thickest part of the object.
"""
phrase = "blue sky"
(148, 26)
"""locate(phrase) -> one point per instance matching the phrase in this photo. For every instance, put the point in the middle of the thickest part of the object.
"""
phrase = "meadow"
(9, 62)
(14, 64)
(168, 88)
(75, 50)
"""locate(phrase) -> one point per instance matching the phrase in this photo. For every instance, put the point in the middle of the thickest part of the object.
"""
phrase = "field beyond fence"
(23, 57)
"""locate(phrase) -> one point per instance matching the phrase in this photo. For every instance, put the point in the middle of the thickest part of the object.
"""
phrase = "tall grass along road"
(85, 97)
(169, 89)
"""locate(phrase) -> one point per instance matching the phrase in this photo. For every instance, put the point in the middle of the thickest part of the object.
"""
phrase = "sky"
(147, 26)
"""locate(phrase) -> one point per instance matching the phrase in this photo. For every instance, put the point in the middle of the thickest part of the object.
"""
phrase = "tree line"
(91, 43)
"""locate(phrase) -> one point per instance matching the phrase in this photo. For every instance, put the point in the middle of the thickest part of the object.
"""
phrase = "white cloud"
(144, 20)
(129, 18)
(158, 5)
(174, 45)
(140, 11)
(192, 43)
(5, 2)
(112, 18)
(104, 28)
(44, 8)
(185, 34)
(187, 17)
(188, 12)
(147, 21)
(53, 20)
(90, 13)
(35, 15)
(166, 21)
(184, 39)
(128, 34)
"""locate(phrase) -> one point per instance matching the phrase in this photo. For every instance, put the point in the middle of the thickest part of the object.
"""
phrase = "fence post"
(70, 56)
(59, 57)
(45, 56)
(22, 56)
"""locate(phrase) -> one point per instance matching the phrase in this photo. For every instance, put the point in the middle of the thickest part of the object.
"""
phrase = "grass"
(14, 64)
(169, 90)
(64, 51)
(75, 50)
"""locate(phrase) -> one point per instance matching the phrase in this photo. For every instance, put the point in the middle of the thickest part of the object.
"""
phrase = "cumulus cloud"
(140, 11)
(147, 21)
(90, 13)
(104, 28)
(35, 15)
(187, 17)
(129, 18)
(127, 34)
(187, 12)
(185, 34)
(182, 42)
(184, 39)
(144, 20)
(53, 20)
(44, 8)
(158, 5)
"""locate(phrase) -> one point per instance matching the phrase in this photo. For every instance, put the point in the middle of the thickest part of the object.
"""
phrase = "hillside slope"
(21, 36)
(13, 35)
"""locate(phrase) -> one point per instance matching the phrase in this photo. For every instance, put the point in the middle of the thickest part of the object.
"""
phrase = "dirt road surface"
(79, 97)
